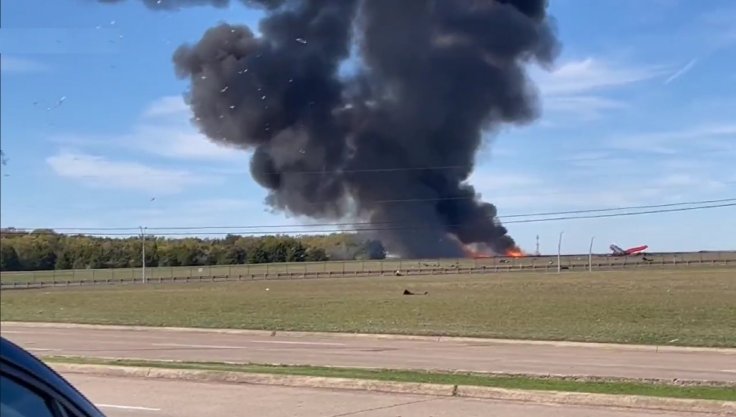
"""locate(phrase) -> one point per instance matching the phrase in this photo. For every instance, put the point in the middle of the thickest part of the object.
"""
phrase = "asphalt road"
(329, 350)
(123, 397)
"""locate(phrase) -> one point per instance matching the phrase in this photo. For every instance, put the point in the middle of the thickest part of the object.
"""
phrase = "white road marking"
(42, 349)
(732, 371)
(127, 407)
(283, 342)
(275, 342)
(14, 332)
(197, 346)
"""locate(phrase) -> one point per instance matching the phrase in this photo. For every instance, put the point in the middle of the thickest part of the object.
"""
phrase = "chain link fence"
(395, 267)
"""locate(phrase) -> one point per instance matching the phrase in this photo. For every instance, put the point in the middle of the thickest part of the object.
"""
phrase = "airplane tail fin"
(617, 250)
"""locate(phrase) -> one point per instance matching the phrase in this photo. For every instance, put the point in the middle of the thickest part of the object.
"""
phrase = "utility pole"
(590, 255)
(143, 253)
(559, 252)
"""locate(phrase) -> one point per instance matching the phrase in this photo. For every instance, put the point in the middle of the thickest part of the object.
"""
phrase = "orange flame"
(515, 253)
(472, 251)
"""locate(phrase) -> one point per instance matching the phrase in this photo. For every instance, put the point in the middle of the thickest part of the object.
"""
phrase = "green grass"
(611, 386)
(687, 307)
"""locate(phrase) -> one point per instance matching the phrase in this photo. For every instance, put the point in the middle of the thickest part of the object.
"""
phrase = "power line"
(348, 224)
(410, 227)
(599, 216)
(553, 213)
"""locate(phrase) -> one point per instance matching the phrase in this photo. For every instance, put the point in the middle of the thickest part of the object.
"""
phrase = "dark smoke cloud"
(431, 76)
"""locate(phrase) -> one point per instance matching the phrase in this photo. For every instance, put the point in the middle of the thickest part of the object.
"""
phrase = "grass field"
(620, 387)
(679, 307)
(388, 266)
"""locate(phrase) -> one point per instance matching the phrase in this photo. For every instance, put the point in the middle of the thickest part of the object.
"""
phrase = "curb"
(727, 408)
(450, 339)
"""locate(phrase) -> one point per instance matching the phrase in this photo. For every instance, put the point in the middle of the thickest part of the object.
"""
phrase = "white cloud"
(164, 130)
(99, 171)
(586, 156)
(15, 65)
(586, 107)
(168, 106)
(177, 142)
(491, 182)
(674, 141)
(682, 71)
(687, 180)
(589, 74)
(578, 87)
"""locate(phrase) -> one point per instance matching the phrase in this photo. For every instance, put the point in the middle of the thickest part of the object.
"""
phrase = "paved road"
(123, 397)
(326, 350)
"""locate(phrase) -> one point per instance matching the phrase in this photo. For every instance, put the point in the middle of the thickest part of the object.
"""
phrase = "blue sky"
(639, 109)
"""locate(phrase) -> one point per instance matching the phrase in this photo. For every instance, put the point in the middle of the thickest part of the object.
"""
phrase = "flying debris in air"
(58, 104)
(302, 41)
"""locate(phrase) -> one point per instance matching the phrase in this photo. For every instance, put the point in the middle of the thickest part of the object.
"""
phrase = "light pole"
(559, 251)
(590, 255)
(143, 253)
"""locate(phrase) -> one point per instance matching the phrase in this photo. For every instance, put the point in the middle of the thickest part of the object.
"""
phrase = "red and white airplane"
(617, 251)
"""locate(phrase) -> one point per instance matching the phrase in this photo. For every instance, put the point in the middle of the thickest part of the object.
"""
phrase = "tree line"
(47, 250)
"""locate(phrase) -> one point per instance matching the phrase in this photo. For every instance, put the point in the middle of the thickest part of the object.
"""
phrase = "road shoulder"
(441, 390)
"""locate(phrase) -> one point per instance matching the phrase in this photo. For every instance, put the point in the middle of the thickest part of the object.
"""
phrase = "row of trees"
(45, 250)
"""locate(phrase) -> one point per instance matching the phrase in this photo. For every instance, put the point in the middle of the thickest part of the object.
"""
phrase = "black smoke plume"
(372, 109)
